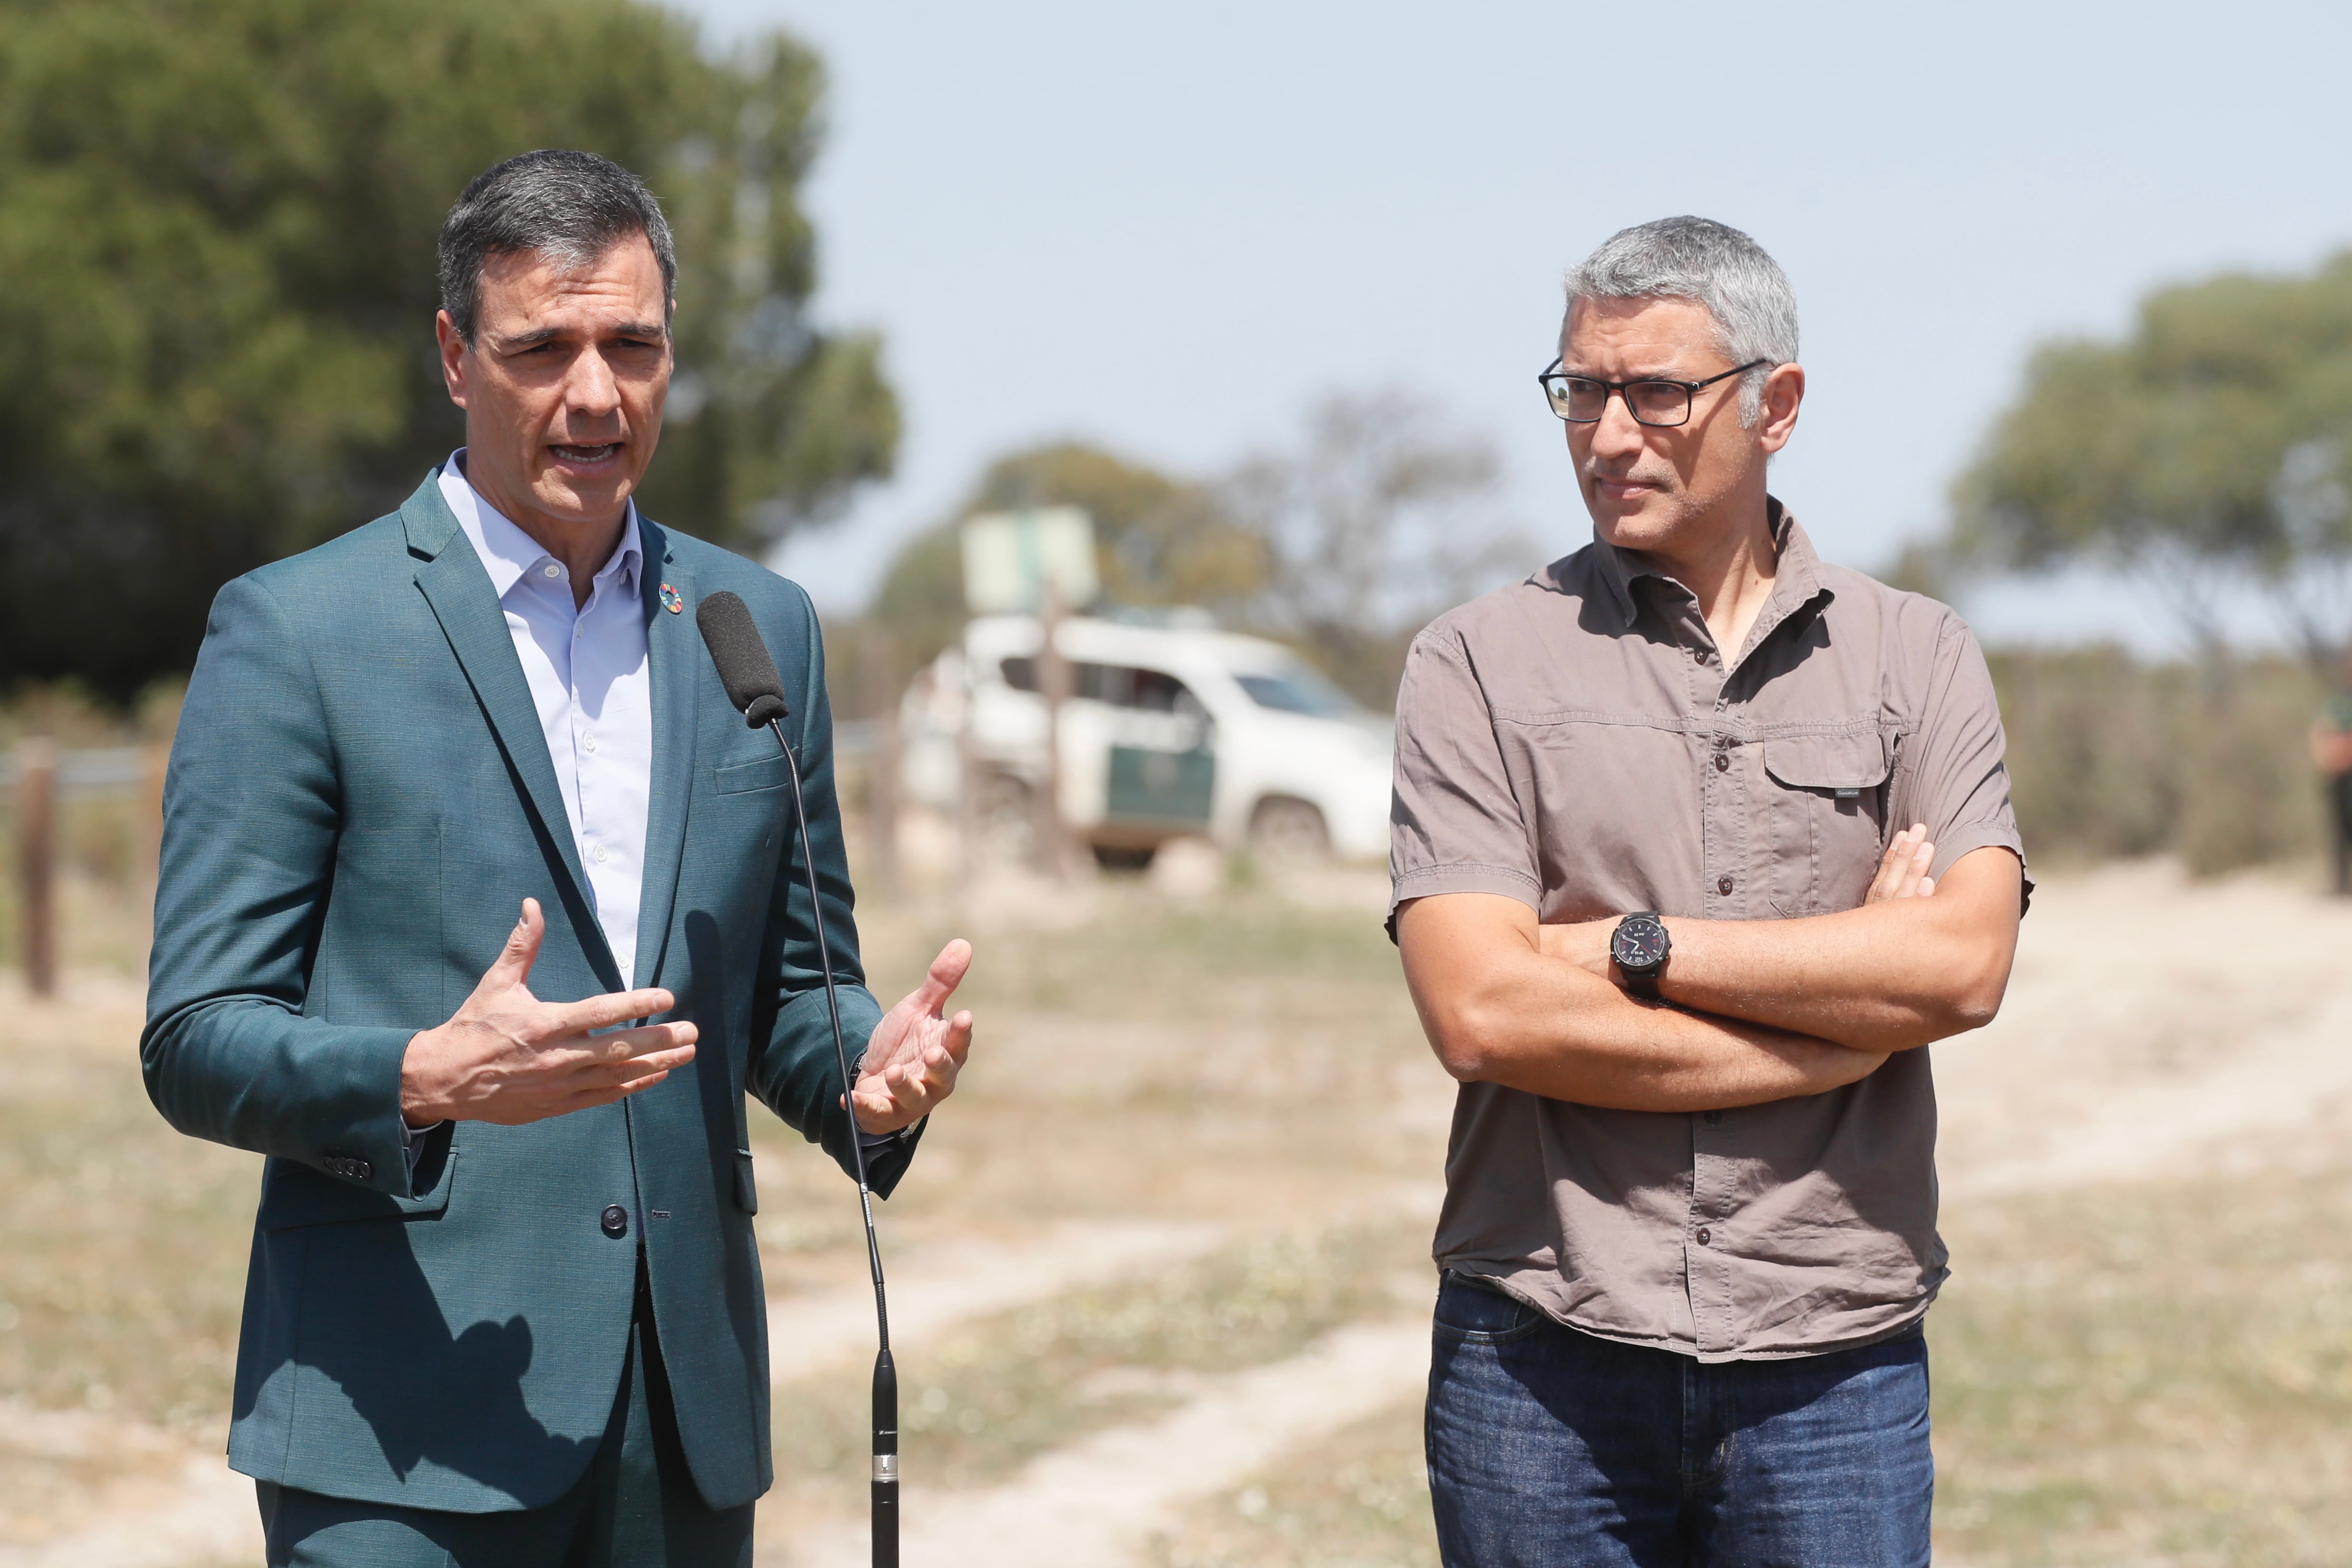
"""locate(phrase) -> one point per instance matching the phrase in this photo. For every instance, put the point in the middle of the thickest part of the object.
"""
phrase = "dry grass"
(1358, 1500)
(124, 1267)
(1240, 1059)
(2152, 1375)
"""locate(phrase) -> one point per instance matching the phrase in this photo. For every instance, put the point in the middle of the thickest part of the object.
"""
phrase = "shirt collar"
(1796, 577)
(507, 552)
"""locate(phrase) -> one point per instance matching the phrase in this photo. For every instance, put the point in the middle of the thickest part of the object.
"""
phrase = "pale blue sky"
(1169, 228)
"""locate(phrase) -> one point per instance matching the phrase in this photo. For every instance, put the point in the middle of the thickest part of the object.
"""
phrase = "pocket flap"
(747, 1189)
(296, 1195)
(1839, 763)
(762, 772)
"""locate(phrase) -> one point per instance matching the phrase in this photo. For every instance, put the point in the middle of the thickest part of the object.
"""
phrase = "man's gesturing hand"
(510, 1057)
(912, 1060)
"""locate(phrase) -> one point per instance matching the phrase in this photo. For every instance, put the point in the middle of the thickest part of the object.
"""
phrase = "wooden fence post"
(36, 862)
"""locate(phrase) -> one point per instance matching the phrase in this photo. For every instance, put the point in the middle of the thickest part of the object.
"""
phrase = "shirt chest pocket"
(1825, 809)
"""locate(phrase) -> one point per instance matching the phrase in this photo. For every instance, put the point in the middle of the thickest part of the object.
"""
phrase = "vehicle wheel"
(1283, 831)
(1124, 857)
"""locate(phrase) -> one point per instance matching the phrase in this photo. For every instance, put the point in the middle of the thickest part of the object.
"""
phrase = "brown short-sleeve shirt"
(1575, 742)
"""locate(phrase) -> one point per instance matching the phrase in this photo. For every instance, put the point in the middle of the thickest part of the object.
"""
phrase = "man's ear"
(453, 356)
(1784, 389)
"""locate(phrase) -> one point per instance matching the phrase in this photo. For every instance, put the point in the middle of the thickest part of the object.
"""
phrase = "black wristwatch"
(1639, 947)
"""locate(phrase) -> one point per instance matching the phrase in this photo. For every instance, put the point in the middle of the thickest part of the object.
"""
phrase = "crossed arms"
(1753, 1010)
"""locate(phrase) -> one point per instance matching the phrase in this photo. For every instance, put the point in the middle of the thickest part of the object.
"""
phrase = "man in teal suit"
(505, 1303)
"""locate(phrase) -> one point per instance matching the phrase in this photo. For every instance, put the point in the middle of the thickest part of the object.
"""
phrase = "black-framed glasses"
(1581, 400)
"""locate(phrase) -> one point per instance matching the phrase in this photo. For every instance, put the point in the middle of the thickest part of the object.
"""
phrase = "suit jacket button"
(616, 1220)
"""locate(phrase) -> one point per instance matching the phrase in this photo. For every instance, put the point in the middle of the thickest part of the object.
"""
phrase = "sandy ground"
(2152, 1025)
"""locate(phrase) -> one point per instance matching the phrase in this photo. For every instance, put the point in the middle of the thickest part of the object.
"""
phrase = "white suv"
(1172, 728)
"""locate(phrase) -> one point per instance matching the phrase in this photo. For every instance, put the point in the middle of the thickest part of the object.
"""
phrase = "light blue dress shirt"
(591, 683)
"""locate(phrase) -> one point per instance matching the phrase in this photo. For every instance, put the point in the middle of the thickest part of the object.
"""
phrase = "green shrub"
(2111, 756)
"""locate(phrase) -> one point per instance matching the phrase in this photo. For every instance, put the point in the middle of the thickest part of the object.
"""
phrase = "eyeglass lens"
(1652, 402)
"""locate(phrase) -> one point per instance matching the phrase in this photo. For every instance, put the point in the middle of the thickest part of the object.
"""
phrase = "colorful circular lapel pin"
(670, 601)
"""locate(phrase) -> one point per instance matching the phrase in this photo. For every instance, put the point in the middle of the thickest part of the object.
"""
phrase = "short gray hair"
(570, 207)
(1711, 264)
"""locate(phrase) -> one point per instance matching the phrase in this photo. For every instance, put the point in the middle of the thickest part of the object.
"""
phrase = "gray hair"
(569, 207)
(1711, 264)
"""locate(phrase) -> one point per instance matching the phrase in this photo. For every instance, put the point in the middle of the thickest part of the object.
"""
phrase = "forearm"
(1899, 971)
(1499, 1010)
(251, 1073)
(1888, 977)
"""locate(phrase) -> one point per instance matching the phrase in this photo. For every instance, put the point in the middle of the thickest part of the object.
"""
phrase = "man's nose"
(1617, 433)
(593, 390)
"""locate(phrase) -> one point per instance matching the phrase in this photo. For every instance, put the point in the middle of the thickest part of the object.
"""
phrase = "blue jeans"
(1549, 1448)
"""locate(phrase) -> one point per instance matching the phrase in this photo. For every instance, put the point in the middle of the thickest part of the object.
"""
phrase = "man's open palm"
(912, 1060)
(509, 1057)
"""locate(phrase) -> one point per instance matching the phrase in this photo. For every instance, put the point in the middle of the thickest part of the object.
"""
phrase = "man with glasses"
(1699, 842)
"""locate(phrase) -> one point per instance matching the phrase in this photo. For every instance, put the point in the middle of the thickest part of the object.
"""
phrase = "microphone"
(749, 673)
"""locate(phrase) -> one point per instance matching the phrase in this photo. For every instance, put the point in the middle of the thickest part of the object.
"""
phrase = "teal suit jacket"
(359, 799)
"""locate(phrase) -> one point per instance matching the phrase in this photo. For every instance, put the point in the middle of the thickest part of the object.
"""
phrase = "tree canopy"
(2210, 449)
(217, 221)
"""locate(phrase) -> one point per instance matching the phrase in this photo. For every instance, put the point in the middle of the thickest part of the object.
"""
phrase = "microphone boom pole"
(749, 673)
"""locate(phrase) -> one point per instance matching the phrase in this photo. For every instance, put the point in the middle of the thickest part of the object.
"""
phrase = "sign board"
(1009, 557)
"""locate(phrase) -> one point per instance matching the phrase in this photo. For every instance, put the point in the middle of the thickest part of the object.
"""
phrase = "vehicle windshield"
(1298, 690)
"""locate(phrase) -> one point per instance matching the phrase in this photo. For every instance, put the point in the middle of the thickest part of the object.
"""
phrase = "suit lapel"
(674, 649)
(458, 587)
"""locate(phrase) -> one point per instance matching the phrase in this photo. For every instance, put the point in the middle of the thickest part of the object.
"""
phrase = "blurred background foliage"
(2205, 451)
(218, 218)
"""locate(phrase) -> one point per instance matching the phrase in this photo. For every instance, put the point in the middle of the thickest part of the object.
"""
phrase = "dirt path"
(1094, 1503)
(958, 1282)
(2150, 1022)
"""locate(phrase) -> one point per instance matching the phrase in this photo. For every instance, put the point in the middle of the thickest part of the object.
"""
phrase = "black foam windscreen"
(745, 669)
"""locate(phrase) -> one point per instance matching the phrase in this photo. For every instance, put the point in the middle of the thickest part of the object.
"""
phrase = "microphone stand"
(886, 1372)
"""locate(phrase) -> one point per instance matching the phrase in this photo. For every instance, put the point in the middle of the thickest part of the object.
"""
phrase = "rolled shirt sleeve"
(1454, 824)
(1950, 774)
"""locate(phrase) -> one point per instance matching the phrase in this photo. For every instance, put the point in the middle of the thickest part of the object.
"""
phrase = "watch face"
(1639, 944)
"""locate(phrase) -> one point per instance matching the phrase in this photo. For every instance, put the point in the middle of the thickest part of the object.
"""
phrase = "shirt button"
(588, 741)
(1714, 1118)
(1705, 1235)
(1722, 762)
(1723, 886)
(599, 853)
(551, 570)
